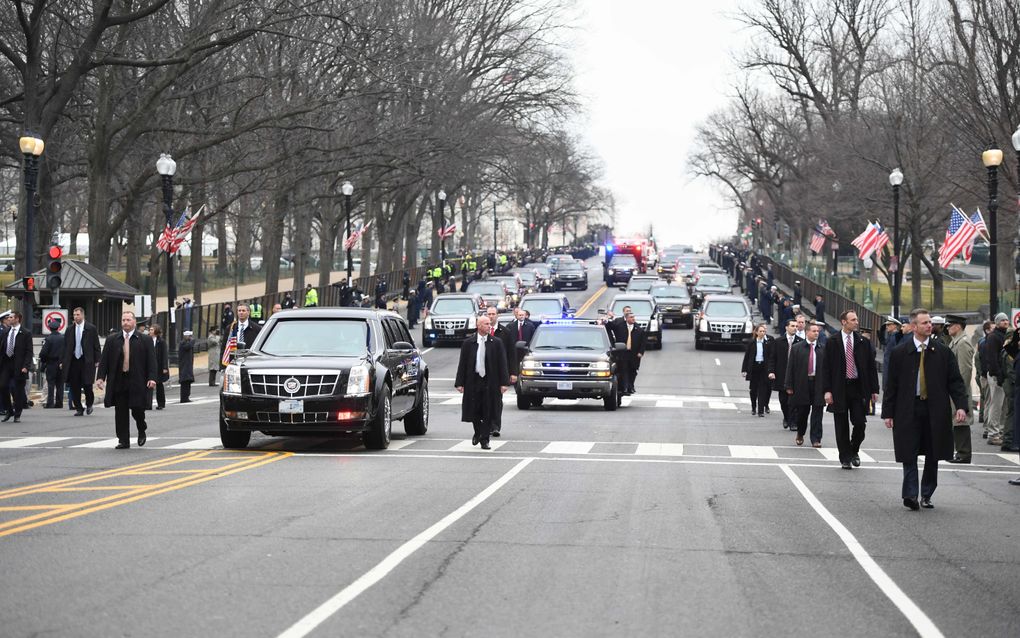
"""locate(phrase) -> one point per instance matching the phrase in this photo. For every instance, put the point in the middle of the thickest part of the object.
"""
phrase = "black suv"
(542, 306)
(570, 274)
(646, 315)
(620, 269)
(451, 318)
(325, 371)
(568, 359)
(673, 302)
(710, 284)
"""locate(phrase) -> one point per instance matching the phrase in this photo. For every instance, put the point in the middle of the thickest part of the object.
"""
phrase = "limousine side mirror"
(602, 311)
(521, 345)
(402, 345)
(618, 346)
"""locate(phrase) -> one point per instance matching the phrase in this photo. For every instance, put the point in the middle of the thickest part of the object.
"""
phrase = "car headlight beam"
(232, 379)
(358, 381)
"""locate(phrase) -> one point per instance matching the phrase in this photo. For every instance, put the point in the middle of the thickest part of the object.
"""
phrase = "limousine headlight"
(357, 381)
(232, 379)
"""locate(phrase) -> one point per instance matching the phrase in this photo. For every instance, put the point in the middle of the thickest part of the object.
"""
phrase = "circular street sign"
(57, 315)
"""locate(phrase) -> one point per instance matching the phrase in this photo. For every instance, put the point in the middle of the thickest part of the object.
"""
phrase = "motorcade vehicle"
(710, 284)
(570, 274)
(666, 266)
(451, 318)
(642, 283)
(620, 269)
(493, 293)
(544, 274)
(542, 306)
(645, 315)
(568, 359)
(724, 320)
(326, 371)
(673, 303)
(554, 261)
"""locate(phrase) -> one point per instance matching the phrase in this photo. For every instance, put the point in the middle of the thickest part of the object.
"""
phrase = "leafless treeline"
(837, 93)
(269, 105)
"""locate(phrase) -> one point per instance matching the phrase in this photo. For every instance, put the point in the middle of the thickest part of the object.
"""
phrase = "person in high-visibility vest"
(311, 297)
(256, 311)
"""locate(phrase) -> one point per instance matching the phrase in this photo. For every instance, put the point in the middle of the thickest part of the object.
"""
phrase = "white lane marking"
(717, 362)
(720, 405)
(568, 447)
(1012, 458)
(322, 613)
(32, 440)
(465, 446)
(428, 350)
(562, 402)
(924, 625)
(725, 389)
(832, 454)
(197, 444)
(660, 449)
(669, 403)
(401, 444)
(454, 401)
(752, 452)
(105, 443)
(626, 401)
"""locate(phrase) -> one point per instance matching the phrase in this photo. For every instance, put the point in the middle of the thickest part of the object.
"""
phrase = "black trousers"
(815, 412)
(185, 391)
(930, 477)
(75, 377)
(122, 415)
(784, 404)
(849, 444)
(212, 378)
(480, 418)
(160, 395)
(12, 384)
(760, 390)
(54, 387)
(626, 371)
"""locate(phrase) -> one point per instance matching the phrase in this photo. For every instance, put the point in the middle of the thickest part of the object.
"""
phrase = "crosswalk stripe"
(401, 444)
(669, 403)
(660, 449)
(568, 447)
(1012, 458)
(196, 444)
(454, 401)
(103, 443)
(32, 440)
(720, 405)
(465, 446)
(752, 452)
(832, 454)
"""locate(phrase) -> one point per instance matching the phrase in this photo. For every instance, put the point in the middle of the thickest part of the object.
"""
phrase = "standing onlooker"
(755, 369)
(311, 297)
(186, 365)
(162, 364)
(979, 372)
(923, 378)
(482, 377)
(128, 363)
(779, 358)
(50, 358)
(213, 341)
(15, 362)
(797, 294)
(288, 300)
(891, 325)
(412, 307)
(963, 350)
(820, 308)
(849, 381)
(989, 354)
(765, 304)
(226, 318)
(406, 281)
(81, 356)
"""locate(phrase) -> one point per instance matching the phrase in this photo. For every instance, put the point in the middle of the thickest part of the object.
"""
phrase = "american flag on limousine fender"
(230, 347)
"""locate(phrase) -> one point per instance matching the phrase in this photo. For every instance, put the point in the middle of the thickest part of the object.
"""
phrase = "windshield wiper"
(580, 348)
(546, 348)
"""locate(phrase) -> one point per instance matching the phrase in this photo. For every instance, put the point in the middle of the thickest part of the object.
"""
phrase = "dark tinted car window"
(322, 337)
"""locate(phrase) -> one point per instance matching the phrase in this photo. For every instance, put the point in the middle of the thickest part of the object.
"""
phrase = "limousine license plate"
(292, 406)
(450, 331)
(727, 335)
(564, 385)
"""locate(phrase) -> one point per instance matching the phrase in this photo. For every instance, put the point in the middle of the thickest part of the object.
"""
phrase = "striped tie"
(851, 365)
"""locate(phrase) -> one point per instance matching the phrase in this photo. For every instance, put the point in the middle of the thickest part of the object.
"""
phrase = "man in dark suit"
(803, 387)
(15, 361)
(482, 377)
(507, 340)
(849, 380)
(128, 364)
(81, 356)
(924, 384)
(779, 355)
(162, 364)
(247, 330)
(522, 328)
(629, 361)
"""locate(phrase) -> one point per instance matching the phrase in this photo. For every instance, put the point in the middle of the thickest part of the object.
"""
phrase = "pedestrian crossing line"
(401, 444)
(465, 446)
(31, 440)
(454, 401)
(660, 449)
(752, 452)
(103, 443)
(568, 447)
(720, 405)
(196, 444)
(832, 454)
(1012, 458)
(669, 403)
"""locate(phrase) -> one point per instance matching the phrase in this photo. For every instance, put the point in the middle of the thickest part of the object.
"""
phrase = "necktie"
(811, 360)
(628, 337)
(520, 331)
(480, 359)
(789, 345)
(851, 365)
(240, 333)
(127, 354)
(10, 342)
(492, 332)
(77, 345)
(922, 381)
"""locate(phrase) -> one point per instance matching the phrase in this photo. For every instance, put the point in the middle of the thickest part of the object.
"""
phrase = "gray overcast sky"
(650, 71)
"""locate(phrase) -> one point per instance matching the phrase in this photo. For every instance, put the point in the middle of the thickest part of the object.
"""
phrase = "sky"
(649, 71)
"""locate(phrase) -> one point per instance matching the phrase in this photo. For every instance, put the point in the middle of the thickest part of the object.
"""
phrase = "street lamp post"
(527, 225)
(348, 189)
(32, 147)
(442, 225)
(495, 229)
(1016, 147)
(166, 167)
(896, 180)
(992, 159)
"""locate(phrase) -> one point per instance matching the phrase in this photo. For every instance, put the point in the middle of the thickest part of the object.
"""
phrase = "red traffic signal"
(54, 268)
(28, 283)
(56, 252)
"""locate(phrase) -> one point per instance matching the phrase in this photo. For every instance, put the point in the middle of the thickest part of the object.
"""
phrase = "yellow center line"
(593, 299)
(29, 508)
(155, 472)
(18, 491)
(98, 488)
(130, 495)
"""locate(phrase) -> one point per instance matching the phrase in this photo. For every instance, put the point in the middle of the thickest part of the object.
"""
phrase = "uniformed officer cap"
(938, 320)
(892, 320)
(956, 319)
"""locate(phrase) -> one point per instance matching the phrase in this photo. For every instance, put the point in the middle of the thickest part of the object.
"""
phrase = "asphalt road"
(680, 514)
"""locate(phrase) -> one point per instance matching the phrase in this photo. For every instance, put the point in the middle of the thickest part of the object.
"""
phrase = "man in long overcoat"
(917, 407)
(483, 377)
(803, 386)
(128, 379)
(849, 380)
(186, 365)
(81, 356)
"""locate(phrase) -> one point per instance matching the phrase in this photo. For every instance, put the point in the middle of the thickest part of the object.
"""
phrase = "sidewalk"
(249, 290)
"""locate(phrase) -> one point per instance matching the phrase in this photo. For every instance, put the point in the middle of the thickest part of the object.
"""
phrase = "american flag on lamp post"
(817, 242)
(356, 235)
(959, 235)
(171, 238)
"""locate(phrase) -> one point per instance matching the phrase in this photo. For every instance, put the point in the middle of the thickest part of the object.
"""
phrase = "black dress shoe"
(768, 411)
(485, 445)
(17, 419)
(159, 407)
(88, 410)
(474, 440)
(959, 459)
(122, 446)
(984, 435)
(79, 413)
(856, 461)
(1007, 448)
(7, 417)
(926, 504)
(911, 503)
(1015, 481)
(495, 433)
(141, 438)
(845, 465)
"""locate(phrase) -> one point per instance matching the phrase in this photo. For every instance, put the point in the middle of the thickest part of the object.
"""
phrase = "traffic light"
(53, 271)
(28, 283)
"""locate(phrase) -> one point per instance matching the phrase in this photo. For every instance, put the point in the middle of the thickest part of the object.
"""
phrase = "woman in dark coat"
(186, 365)
(922, 426)
(757, 372)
